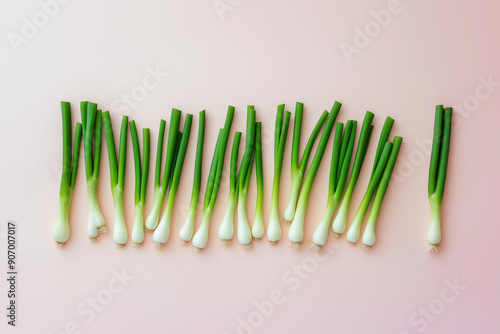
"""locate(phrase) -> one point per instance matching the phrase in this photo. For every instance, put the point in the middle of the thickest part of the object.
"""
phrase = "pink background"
(262, 53)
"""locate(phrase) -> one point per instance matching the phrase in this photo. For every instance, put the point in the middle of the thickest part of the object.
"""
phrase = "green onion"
(437, 173)
(117, 175)
(61, 230)
(141, 181)
(296, 231)
(161, 234)
(258, 223)
(244, 233)
(226, 228)
(92, 132)
(186, 232)
(339, 168)
(339, 223)
(352, 235)
(280, 135)
(369, 232)
(298, 170)
(161, 186)
(200, 238)
(381, 157)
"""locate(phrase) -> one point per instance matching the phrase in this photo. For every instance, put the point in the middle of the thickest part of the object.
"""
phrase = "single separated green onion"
(200, 238)
(343, 146)
(258, 222)
(280, 135)
(92, 133)
(381, 157)
(226, 228)
(162, 232)
(141, 181)
(296, 231)
(298, 170)
(161, 184)
(369, 232)
(117, 175)
(61, 230)
(437, 173)
(186, 232)
(244, 233)
(339, 223)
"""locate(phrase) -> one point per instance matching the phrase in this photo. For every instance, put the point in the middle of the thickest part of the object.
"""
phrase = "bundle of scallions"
(61, 228)
(341, 183)
(437, 172)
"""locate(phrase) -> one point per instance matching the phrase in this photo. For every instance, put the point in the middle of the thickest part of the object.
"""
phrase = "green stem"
(173, 131)
(444, 153)
(436, 147)
(159, 153)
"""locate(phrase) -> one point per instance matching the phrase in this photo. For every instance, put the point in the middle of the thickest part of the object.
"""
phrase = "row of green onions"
(342, 178)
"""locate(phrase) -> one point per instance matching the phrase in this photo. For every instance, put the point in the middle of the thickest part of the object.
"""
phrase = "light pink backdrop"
(262, 53)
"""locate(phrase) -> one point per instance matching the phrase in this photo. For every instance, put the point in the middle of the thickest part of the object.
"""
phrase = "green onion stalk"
(226, 228)
(339, 223)
(186, 232)
(368, 238)
(200, 238)
(141, 181)
(280, 135)
(381, 157)
(162, 232)
(92, 133)
(339, 168)
(61, 228)
(117, 175)
(160, 185)
(296, 231)
(258, 223)
(244, 233)
(298, 170)
(437, 173)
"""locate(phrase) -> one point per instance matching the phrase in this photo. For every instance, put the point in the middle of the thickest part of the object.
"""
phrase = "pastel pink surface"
(260, 53)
